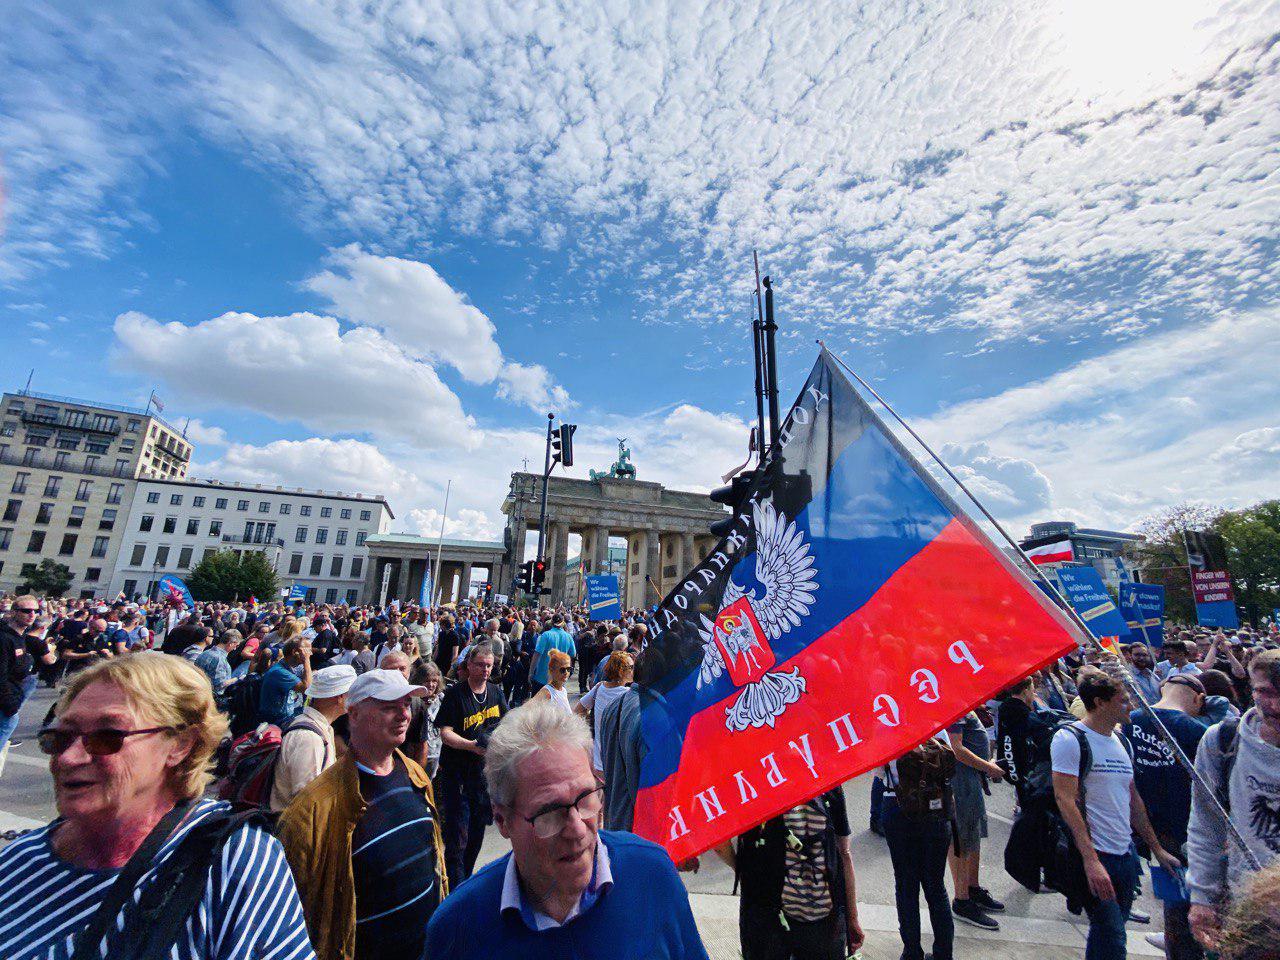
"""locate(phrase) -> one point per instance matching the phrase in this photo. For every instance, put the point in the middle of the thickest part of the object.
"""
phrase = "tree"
(50, 578)
(226, 576)
(1252, 537)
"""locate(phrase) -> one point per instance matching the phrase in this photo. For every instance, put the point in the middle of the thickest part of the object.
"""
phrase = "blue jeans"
(1107, 917)
(10, 724)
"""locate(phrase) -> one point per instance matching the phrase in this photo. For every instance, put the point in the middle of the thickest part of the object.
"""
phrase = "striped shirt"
(250, 907)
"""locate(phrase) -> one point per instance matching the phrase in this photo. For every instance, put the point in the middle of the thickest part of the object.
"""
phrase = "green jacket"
(316, 832)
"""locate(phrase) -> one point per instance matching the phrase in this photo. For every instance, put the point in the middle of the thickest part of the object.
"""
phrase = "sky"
(369, 246)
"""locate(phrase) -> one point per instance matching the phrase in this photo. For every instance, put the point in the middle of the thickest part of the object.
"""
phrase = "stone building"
(313, 538)
(665, 530)
(68, 469)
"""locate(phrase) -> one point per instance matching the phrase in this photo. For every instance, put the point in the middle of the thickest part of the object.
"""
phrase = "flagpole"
(1126, 676)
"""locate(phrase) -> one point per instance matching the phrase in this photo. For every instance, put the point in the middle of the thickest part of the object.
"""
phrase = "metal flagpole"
(435, 587)
(1134, 690)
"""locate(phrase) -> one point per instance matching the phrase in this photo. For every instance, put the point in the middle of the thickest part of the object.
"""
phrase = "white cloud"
(300, 367)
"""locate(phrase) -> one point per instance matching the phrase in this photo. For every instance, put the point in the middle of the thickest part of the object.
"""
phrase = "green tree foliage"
(49, 578)
(225, 576)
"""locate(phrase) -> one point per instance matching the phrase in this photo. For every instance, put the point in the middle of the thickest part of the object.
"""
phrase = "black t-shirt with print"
(472, 717)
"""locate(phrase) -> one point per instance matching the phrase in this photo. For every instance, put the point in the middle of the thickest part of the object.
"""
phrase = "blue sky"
(369, 246)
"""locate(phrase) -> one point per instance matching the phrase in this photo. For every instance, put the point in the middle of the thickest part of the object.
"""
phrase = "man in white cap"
(306, 745)
(363, 838)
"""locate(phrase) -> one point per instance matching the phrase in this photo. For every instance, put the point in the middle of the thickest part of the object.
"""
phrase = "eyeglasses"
(548, 822)
(97, 743)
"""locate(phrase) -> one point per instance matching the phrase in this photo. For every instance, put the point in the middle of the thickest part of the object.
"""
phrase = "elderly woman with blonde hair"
(136, 859)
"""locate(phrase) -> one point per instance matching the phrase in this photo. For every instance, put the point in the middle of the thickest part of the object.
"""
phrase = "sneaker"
(982, 898)
(1137, 916)
(1156, 940)
(971, 913)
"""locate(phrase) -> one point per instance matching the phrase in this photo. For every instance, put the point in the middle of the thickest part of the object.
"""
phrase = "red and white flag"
(1057, 552)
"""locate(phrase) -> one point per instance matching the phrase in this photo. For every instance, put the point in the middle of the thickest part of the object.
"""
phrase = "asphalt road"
(1034, 927)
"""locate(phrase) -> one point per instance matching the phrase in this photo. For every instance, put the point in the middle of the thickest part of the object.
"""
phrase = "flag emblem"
(737, 641)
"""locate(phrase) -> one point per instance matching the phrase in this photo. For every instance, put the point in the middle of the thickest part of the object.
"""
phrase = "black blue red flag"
(852, 611)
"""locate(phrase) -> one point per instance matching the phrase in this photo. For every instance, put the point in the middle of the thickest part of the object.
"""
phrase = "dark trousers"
(764, 937)
(1107, 917)
(464, 813)
(918, 850)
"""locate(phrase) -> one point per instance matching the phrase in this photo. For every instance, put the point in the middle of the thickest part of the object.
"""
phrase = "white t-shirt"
(1107, 785)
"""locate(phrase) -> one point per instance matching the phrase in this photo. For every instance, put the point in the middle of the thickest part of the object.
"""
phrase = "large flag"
(851, 612)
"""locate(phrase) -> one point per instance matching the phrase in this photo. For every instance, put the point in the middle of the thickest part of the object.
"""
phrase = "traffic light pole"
(546, 472)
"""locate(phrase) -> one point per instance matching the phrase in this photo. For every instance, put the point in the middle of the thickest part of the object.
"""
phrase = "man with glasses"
(15, 665)
(566, 888)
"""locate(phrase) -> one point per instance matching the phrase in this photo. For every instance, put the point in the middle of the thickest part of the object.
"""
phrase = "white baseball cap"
(381, 685)
(331, 681)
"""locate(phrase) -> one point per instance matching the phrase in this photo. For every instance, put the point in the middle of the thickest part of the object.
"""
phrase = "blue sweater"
(645, 915)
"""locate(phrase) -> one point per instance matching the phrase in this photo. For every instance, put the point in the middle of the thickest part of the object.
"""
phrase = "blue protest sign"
(1143, 607)
(1089, 598)
(174, 590)
(603, 602)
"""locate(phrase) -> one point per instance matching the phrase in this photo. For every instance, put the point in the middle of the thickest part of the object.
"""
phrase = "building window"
(335, 567)
(11, 510)
(139, 554)
(108, 521)
(322, 534)
(52, 486)
(357, 565)
(6, 537)
(45, 513)
(351, 597)
(360, 535)
(284, 509)
(153, 496)
(215, 528)
(305, 510)
(36, 543)
(99, 547)
(242, 505)
(341, 538)
(344, 514)
(77, 517)
(184, 558)
(264, 506)
(68, 545)
(220, 503)
(61, 460)
(300, 536)
(366, 515)
(170, 524)
(331, 595)
(175, 499)
(193, 527)
(295, 563)
(197, 502)
(115, 493)
(326, 512)
(83, 488)
(145, 523)
(20, 482)
(92, 574)
(316, 562)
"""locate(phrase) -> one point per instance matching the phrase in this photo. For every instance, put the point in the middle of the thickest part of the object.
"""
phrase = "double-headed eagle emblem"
(740, 637)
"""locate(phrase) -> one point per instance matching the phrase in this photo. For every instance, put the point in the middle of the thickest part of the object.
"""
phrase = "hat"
(331, 681)
(381, 685)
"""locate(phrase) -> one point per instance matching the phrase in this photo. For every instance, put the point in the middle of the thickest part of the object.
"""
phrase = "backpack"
(924, 781)
(252, 759)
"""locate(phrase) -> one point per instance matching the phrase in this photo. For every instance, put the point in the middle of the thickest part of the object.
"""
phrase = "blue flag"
(1085, 592)
(1143, 607)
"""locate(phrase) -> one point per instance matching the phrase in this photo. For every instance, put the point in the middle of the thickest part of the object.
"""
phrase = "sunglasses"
(97, 743)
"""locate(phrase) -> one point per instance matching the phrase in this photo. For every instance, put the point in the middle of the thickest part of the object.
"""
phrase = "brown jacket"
(316, 832)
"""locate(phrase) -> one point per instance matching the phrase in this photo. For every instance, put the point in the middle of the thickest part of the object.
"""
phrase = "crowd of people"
(329, 773)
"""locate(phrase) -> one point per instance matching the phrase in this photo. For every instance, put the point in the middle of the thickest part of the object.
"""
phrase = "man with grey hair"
(566, 888)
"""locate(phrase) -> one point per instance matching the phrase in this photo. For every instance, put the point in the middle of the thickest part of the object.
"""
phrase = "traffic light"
(732, 495)
(524, 579)
(562, 444)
